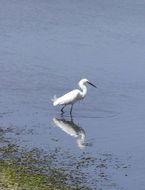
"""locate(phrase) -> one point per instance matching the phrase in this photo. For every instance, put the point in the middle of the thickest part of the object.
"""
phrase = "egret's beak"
(92, 84)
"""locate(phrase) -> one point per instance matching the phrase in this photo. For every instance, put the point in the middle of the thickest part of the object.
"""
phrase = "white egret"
(73, 96)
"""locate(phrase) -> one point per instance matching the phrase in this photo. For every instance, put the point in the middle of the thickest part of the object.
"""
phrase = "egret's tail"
(54, 100)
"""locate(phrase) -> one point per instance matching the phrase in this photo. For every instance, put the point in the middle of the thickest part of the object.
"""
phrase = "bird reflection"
(69, 127)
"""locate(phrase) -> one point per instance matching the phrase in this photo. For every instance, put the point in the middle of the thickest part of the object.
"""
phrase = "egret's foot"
(62, 112)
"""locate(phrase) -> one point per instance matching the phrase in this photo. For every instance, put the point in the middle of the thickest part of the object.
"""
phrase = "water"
(46, 48)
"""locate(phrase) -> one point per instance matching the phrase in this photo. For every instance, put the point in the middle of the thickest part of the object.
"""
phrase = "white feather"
(68, 98)
(72, 96)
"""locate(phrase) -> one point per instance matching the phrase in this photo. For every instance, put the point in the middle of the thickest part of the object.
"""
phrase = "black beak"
(92, 84)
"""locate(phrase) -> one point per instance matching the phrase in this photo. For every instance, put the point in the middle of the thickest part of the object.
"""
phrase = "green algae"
(14, 176)
(34, 170)
(22, 168)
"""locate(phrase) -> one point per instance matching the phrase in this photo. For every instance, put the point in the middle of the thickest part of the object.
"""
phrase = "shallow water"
(46, 48)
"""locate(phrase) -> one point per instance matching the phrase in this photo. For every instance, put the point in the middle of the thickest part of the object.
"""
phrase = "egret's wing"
(68, 98)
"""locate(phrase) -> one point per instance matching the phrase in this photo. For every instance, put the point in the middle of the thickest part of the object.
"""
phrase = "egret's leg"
(62, 109)
(71, 109)
(71, 118)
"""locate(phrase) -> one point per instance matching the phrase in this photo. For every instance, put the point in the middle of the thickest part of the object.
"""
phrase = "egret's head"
(85, 82)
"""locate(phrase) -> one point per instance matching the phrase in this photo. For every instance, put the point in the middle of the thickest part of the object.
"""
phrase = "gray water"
(46, 48)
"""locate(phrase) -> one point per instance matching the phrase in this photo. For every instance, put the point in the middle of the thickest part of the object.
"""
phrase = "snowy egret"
(73, 96)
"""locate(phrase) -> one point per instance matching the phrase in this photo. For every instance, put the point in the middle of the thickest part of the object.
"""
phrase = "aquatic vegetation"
(56, 169)
(21, 169)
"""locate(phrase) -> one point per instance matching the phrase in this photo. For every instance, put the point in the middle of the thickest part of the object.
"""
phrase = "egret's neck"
(84, 90)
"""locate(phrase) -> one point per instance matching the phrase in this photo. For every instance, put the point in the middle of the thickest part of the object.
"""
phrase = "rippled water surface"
(46, 48)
